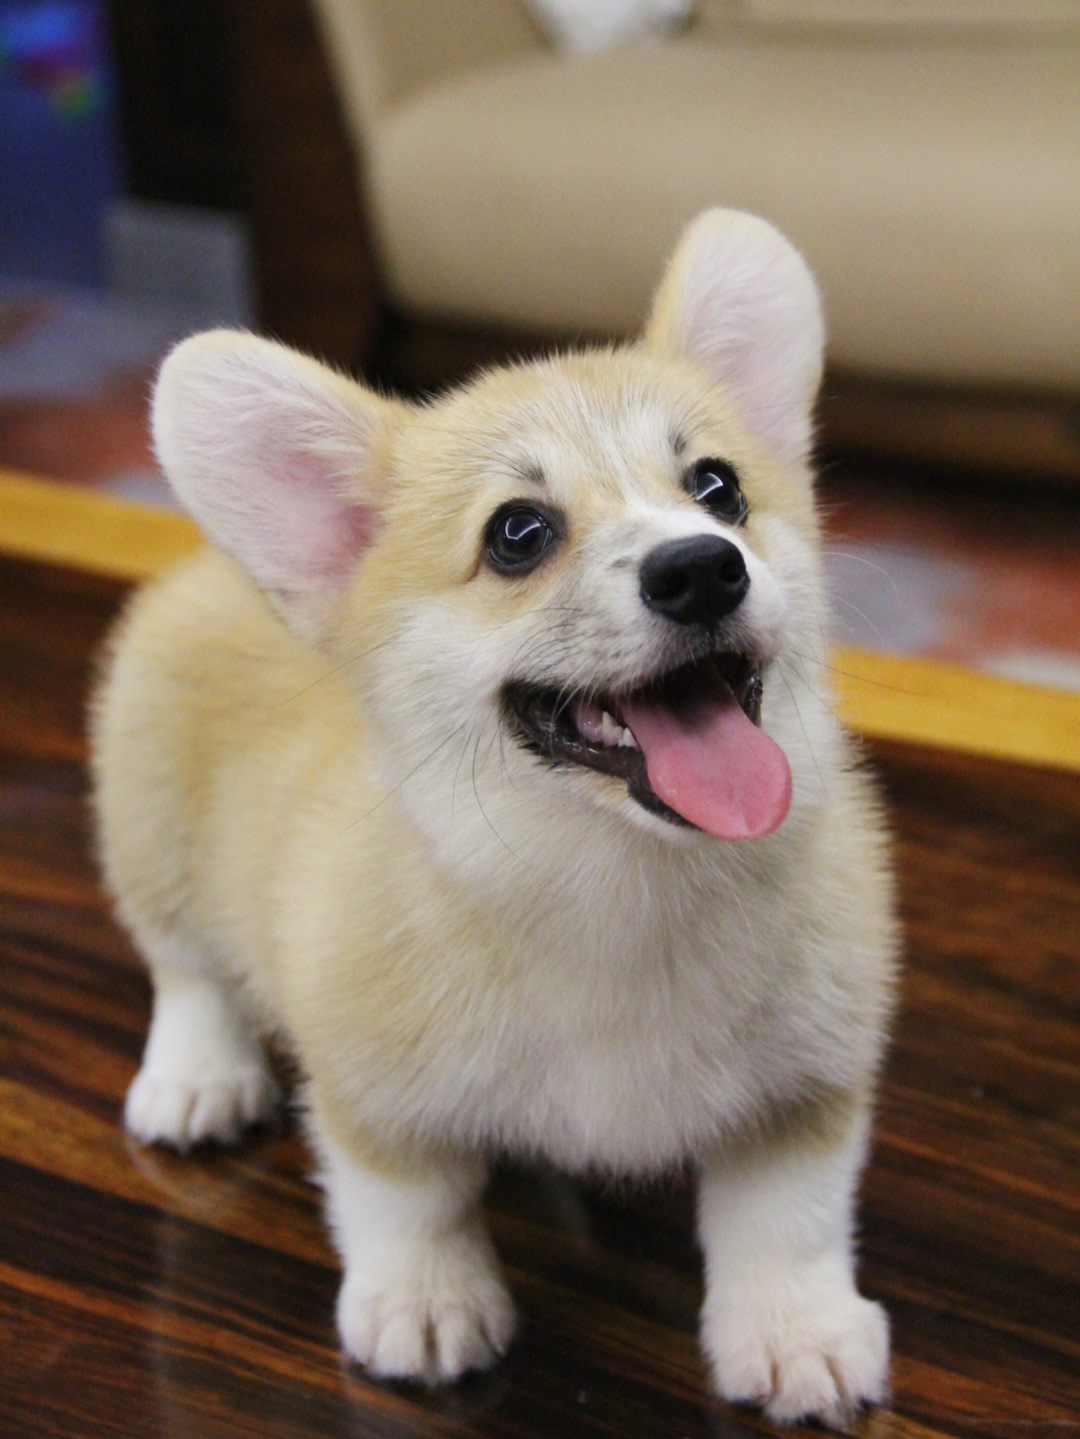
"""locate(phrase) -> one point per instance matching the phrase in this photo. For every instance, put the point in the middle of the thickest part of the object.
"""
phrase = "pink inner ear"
(756, 326)
(300, 535)
(329, 538)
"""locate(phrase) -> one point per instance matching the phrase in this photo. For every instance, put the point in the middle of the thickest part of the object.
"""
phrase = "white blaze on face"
(705, 757)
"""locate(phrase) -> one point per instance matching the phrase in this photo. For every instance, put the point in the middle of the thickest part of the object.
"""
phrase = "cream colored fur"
(315, 821)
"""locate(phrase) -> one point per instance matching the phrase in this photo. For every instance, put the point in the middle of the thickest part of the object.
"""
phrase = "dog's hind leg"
(204, 1074)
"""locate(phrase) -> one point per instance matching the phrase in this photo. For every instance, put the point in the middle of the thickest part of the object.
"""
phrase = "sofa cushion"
(934, 188)
(383, 50)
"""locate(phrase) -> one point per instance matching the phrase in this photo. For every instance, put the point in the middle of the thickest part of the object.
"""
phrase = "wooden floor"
(145, 1295)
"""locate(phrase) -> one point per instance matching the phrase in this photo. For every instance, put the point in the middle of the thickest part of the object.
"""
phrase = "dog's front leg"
(783, 1324)
(421, 1294)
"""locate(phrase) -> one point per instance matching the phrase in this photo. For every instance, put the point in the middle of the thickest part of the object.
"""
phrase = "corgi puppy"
(487, 757)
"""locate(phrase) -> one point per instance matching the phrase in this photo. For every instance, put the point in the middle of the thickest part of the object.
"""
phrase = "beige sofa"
(924, 154)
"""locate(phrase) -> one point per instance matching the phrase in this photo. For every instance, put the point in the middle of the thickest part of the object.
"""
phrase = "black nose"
(695, 581)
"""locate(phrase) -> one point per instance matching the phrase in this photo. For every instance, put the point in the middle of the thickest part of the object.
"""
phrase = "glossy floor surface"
(148, 1295)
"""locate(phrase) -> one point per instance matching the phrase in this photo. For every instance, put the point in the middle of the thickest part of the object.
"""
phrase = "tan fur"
(313, 823)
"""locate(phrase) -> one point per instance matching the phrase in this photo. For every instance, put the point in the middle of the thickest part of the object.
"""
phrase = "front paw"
(800, 1354)
(433, 1313)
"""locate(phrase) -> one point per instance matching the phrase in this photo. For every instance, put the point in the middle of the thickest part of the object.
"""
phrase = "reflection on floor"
(981, 574)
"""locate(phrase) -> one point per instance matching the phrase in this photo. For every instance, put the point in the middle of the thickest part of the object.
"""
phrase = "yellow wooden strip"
(880, 696)
(924, 702)
(71, 525)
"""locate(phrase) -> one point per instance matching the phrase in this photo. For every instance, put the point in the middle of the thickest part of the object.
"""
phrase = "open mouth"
(688, 744)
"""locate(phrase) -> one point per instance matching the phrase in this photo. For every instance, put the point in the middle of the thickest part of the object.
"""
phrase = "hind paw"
(204, 1075)
(182, 1112)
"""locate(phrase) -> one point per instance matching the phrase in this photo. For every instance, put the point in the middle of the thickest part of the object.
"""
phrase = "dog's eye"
(517, 537)
(714, 484)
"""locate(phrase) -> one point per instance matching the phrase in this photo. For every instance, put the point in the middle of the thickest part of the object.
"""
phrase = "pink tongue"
(711, 764)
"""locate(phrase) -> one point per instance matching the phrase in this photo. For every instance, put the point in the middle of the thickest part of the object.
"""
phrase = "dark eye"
(517, 537)
(714, 484)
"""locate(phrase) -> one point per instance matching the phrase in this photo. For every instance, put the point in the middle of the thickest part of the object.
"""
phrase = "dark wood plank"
(143, 1294)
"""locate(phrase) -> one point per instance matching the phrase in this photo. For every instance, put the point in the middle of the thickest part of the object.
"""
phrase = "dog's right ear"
(279, 459)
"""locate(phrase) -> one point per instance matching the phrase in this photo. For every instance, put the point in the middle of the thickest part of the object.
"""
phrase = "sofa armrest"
(383, 50)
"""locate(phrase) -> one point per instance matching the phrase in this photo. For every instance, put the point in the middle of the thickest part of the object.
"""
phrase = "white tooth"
(589, 722)
(611, 733)
(628, 741)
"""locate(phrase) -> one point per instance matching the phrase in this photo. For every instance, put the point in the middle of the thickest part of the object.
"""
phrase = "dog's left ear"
(739, 300)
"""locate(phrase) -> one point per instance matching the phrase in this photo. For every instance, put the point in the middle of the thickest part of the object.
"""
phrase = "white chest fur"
(624, 1019)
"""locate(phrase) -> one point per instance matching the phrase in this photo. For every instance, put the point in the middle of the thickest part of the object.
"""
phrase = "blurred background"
(409, 188)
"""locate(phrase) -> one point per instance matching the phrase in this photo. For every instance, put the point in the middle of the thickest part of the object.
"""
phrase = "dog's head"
(590, 579)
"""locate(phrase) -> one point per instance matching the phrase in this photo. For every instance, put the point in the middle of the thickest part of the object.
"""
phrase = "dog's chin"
(641, 814)
(586, 733)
